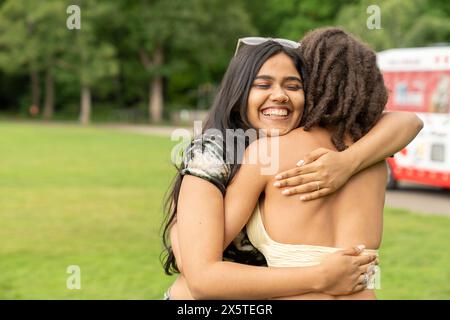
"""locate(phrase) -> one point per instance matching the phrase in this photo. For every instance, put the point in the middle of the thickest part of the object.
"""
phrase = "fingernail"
(361, 247)
(300, 163)
(277, 184)
(302, 198)
(285, 191)
(278, 177)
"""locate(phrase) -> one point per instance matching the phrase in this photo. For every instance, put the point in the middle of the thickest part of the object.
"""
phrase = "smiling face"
(276, 99)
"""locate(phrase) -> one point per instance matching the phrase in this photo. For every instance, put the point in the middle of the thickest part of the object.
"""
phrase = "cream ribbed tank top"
(290, 255)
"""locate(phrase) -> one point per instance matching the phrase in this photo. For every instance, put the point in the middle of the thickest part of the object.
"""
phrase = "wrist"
(319, 283)
(351, 157)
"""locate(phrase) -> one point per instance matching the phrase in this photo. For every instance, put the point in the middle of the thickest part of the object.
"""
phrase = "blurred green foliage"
(127, 52)
(404, 23)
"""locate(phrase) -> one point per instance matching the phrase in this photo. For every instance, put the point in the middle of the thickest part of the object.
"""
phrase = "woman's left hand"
(323, 171)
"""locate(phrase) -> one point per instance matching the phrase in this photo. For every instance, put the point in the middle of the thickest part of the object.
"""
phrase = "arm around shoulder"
(200, 225)
(393, 132)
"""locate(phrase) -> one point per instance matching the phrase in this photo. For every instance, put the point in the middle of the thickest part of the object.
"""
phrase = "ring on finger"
(365, 279)
(370, 269)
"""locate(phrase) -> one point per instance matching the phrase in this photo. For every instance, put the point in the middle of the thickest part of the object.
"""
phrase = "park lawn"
(93, 198)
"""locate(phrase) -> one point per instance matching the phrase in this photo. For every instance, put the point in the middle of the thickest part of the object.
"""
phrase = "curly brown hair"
(345, 90)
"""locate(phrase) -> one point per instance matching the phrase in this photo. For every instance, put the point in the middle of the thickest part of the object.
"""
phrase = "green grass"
(86, 197)
(92, 197)
(415, 256)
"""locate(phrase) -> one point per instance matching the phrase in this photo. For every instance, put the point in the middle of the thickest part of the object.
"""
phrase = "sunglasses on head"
(254, 41)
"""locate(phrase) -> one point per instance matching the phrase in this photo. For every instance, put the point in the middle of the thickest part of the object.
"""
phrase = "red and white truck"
(418, 80)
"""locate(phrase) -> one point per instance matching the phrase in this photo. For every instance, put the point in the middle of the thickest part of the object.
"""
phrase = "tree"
(19, 46)
(195, 30)
(90, 58)
(52, 39)
(404, 23)
(292, 18)
(32, 37)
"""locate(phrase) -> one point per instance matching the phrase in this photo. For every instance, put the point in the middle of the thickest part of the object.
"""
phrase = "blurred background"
(90, 94)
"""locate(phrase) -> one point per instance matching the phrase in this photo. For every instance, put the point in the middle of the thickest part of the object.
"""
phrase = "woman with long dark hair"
(195, 204)
(290, 233)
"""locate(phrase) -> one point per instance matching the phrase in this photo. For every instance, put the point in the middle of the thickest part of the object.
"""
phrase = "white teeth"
(275, 112)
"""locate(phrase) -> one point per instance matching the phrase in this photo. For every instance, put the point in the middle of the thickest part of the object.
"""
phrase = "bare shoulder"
(257, 151)
(306, 141)
(313, 133)
(300, 132)
(266, 145)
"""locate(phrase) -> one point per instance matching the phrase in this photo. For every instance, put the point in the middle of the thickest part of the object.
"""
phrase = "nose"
(279, 95)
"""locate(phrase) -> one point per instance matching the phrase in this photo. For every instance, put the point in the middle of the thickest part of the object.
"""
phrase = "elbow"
(414, 123)
(408, 120)
(201, 290)
(201, 286)
(419, 124)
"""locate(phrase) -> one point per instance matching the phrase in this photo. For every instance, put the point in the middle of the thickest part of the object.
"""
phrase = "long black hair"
(228, 111)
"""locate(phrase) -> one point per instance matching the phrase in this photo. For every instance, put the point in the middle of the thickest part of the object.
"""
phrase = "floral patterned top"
(205, 158)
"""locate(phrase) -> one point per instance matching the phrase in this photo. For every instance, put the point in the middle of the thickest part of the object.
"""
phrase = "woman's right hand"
(343, 271)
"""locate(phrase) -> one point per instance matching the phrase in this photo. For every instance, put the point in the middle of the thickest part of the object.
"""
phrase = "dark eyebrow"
(293, 78)
(264, 77)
